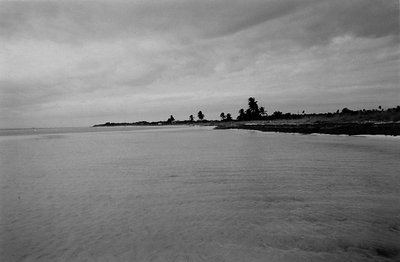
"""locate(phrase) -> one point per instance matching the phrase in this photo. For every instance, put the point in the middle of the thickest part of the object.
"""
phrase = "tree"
(248, 114)
(241, 115)
(262, 111)
(200, 115)
(253, 110)
(346, 111)
(222, 116)
(277, 114)
(171, 119)
(191, 118)
(228, 117)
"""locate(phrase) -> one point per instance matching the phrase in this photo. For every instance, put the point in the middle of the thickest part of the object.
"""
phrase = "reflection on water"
(198, 195)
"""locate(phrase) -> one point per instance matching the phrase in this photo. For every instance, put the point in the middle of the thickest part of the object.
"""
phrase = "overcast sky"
(74, 63)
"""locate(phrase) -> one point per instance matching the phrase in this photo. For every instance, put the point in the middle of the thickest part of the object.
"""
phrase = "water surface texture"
(196, 194)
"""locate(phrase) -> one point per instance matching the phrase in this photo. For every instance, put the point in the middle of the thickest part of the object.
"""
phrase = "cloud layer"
(78, 63)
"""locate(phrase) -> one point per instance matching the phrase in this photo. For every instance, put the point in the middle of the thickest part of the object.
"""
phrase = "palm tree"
(222, 116)
(241, 115)
(262, 111)
(171, 119)
(200, 115)
(253, 108)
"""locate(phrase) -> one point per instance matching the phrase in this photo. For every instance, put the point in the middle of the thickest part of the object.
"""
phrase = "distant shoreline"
(291, 126)
(346, 122)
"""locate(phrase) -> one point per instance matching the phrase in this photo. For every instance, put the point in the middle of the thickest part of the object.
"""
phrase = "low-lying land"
(344, 128)
(303, 126)
(346, 122)
(374, 122)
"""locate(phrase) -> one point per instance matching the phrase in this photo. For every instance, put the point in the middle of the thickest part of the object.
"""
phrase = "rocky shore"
(352, 128)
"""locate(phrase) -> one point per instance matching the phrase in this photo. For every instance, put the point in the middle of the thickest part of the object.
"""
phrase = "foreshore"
(301, 126)
(345, 128)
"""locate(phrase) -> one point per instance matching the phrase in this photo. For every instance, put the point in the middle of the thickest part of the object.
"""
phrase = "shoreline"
(351, 129)
(288, 126)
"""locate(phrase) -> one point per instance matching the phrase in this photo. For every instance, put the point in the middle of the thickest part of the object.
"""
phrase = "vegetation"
(252, 112)
(171, 119)
(200, 115)
(227, 117)
(222, 116)
(341, 121)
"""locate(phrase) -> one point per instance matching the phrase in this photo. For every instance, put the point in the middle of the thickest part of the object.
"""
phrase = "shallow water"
(195, 194)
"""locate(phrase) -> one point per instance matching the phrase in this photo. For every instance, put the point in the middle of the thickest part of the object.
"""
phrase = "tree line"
(256, 112)
(253, 112)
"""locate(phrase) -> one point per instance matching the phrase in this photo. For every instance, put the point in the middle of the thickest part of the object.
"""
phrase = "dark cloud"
(65, 57)
(317, 20)
(362, 18)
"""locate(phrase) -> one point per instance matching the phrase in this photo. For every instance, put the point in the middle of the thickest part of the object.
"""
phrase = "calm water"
(196, 194)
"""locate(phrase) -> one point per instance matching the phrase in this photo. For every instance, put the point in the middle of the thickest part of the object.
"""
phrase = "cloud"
(74, 21)
(64, 57)
(364, 18)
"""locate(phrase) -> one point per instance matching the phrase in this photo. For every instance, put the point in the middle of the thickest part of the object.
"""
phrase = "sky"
(79, 63)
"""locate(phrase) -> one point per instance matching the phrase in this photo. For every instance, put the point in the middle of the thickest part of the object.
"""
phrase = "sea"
(197, 194)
